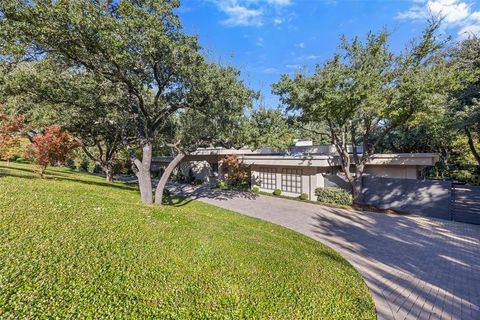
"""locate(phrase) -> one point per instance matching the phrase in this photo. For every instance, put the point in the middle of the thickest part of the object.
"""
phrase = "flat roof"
(417, 159)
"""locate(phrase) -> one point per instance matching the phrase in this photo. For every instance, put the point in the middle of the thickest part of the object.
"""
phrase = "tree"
(84, 104)
(11, 130)
(138, 45)
(466, 59)
(365, 91)
(52, 147)
(432, 131)
(267, 128)
(220, 124)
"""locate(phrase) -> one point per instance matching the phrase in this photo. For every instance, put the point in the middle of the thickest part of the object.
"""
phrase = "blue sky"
(267, 38)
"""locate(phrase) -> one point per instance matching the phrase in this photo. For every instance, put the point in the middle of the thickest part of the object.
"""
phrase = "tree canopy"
(139, 47)
(365, 91)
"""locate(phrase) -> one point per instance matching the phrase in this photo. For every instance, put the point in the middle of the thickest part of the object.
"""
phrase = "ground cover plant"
(72, 245)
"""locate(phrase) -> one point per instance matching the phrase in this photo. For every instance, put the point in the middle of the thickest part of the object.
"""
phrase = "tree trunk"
(444, 154)
(471, 144)
(108, 172)
(106, 165)
(41, 171)
(166, 174)
(143, 174)
(358, 184)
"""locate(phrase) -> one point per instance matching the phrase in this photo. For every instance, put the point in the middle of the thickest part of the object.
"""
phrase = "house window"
(268, 178)
(292, 180)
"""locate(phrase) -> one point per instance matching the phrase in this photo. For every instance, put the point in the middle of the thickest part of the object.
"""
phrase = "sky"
(268, 38)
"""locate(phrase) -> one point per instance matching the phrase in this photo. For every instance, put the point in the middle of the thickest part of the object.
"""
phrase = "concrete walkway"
(415, 267)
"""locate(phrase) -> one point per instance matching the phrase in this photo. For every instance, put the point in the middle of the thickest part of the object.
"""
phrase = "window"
(292, 180)
(268, 178)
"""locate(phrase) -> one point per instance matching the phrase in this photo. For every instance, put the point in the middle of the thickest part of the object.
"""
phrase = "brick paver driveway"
(415, 267)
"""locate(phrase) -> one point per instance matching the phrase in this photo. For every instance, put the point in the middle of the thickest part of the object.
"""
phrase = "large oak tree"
(88, 106)
(138, 45)
(466, 58)
(365, 91)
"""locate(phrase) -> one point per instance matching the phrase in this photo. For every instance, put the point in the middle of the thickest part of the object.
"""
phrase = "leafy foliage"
(236, 173)
(334, 196)
(141, 48)
(277, 192)
(52, 147)
(267, 128)
(220, 184)
(365, 91)
(467, 100)
(11, 131)
(86, 105)
(303, 196)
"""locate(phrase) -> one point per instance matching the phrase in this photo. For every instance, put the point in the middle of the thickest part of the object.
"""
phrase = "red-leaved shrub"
(11, 130)
(235, 172)
(52, 147)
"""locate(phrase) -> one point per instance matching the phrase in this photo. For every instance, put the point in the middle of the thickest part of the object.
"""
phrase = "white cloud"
(277, 21)
(300, 45)
(280, 2)
(475, 16)
(452, 10)
(242, 16)
(455, 14)
(250, 12)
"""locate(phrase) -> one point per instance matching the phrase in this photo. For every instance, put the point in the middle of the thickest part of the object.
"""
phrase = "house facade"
(302, 169)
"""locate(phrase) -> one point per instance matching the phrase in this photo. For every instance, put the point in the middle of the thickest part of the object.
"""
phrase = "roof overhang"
(410, 159)
(395, 159)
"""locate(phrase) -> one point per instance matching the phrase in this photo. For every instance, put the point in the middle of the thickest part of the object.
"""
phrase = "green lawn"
(72, 245)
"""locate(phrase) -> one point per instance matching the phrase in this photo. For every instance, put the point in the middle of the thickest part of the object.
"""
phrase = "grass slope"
(72, 245)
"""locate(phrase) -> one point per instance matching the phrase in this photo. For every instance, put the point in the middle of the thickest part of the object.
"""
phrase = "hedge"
(334, 196)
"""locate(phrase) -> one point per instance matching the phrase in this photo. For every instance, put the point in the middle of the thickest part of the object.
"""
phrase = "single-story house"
(302, 169)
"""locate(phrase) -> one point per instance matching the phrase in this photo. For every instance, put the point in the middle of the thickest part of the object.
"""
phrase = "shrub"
(334, 196)
(256, 189)
(197, 182)
(277, 192)
(220, 184)
(12, 129)
(304, 196)
(51, 147)
(191, 176)
(167, 196)
(236, 173)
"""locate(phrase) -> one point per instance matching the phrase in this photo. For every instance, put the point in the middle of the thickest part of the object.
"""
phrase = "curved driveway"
(415, 267)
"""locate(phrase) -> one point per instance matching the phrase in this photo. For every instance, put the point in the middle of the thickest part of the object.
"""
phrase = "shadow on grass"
(177, 201)
(10, 171)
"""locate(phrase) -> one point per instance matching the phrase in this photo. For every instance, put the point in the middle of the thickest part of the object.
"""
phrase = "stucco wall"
(396, 172)
(426, 197)
(308, 179)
